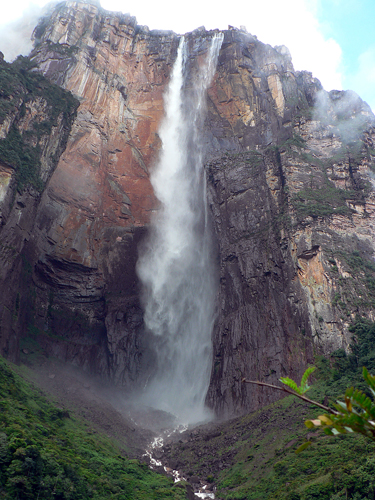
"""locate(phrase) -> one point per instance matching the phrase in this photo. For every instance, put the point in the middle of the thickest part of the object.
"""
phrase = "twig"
(289, 391)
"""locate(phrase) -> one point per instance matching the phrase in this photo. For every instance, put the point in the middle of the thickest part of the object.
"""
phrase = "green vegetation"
(341, 467)
(320, 197)
(254, 158)
(63, 49)
(321, 202)
(296, 141)
(46, 453)
(330, 470)
(303, 387)
(344, 370)
(370, 155)
(19, 87)
(356, 414)
(25, 158)
(254, 456)
(355, 293)
(36, 85)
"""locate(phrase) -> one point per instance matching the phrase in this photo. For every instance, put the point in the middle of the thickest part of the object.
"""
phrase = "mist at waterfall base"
(176, 263)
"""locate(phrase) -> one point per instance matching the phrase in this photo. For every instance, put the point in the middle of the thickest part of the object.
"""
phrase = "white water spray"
(176, 264)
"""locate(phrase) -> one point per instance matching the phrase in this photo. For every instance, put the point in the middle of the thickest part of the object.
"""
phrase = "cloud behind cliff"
(363, 78)
(18, 19)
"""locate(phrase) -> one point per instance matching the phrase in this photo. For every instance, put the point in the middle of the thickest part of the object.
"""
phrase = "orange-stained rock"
(93, 212)
(118, 71)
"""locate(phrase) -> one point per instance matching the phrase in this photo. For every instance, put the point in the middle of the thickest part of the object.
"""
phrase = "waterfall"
(176, 263)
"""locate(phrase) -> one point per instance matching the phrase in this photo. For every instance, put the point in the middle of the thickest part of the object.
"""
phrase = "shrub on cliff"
(22, 150)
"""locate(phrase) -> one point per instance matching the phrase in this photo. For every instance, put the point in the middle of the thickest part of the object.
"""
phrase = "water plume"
(176, 263)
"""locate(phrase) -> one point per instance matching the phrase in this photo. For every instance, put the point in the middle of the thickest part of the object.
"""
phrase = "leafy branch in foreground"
(293, 388)
(355, 415)
(303, 386)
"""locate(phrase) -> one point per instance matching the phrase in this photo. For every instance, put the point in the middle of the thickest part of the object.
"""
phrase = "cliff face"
(99, 200)
(293, 209)
(289, 187)
(35, 121)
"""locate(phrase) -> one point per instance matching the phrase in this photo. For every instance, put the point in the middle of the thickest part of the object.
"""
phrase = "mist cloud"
(292, 23)
(345, 111)
(363, 80)
(15, 37)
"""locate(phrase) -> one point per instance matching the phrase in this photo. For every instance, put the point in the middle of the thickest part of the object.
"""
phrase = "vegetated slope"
(253, 457)
(46, 453)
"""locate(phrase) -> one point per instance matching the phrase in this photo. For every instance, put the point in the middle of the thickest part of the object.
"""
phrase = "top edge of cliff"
(118, 18)
(130, 20)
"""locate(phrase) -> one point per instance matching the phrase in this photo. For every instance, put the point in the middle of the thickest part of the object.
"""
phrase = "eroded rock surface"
(99, 200)
(35, 121)
(294, 223)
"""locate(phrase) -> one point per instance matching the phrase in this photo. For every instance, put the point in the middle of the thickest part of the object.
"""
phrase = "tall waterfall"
(176, 264)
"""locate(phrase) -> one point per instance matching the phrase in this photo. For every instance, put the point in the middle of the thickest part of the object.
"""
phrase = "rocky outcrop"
(293, 215)
(94, 210)
(289, 186)
(35, 121)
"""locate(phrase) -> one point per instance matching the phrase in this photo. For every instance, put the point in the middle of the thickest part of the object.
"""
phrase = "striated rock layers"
(35, 122)
(289, 174)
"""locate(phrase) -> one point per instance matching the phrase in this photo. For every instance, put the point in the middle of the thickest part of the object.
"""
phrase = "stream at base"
(155, 450)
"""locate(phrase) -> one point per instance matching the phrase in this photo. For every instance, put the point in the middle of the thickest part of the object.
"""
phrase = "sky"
(334, 39)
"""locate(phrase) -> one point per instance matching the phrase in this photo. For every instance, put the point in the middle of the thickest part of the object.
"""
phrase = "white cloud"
(290, 22)
(294, 23)
(363, 80)
(15, 35)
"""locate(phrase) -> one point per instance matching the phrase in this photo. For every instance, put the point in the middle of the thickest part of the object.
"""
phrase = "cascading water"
(176, 263)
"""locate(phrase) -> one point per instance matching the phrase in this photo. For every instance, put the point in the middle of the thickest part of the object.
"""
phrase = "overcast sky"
(334, 39)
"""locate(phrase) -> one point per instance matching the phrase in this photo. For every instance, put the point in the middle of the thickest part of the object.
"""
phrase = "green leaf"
(340, 406)
(303, 447)
(313, 423)
(370, 379)
(290, 383)
(304, 387)
(348, 403)
(309, 424)
(325, 419)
